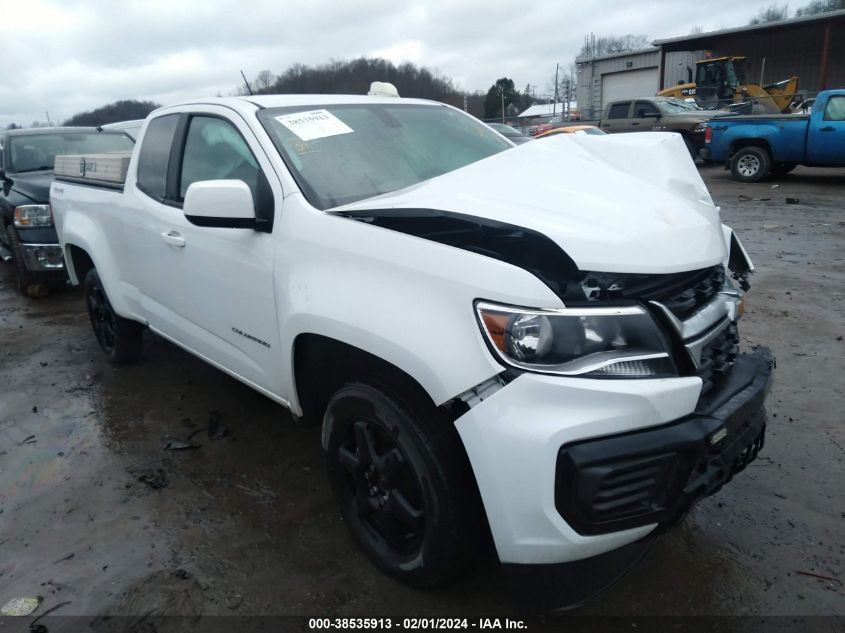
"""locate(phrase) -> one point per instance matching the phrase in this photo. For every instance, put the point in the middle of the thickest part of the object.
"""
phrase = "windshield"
(505, 130)
(37, 152)
(344, 153)
(676, 106)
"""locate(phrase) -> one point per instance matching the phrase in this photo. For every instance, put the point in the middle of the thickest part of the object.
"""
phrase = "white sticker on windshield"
(314, 124)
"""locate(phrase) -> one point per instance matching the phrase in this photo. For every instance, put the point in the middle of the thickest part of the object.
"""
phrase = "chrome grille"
(682, 293)
(718, 357)
(700, 290)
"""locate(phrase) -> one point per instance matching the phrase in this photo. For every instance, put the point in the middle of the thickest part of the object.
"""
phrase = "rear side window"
(154, 155)
(619, 110)
(835, 110)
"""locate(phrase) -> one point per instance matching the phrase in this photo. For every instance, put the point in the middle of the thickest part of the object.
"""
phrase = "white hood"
(619, 203)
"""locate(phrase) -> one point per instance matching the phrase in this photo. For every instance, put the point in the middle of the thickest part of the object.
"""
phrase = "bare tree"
(696, 30)
(772, 13)
(263, 81)
(820, 6)
(608, 45)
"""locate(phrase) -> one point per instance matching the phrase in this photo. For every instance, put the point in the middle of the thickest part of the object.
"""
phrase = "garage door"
(628, 85)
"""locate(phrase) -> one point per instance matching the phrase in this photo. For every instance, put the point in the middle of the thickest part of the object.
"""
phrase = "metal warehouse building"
(809, 47)
(611, 77)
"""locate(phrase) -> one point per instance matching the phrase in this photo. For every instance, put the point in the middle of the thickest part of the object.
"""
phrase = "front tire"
(750, 164)
(402, 481)
(119, 338)
(27, 284)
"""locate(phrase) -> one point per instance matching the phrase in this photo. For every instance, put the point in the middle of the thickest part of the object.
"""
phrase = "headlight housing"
(33, 216)
(594, 342)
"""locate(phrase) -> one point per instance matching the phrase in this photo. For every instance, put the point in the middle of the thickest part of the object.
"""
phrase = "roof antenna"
(248, 89)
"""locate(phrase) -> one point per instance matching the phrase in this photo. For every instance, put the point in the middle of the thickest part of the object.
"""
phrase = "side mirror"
(220, 204)
(647, 115)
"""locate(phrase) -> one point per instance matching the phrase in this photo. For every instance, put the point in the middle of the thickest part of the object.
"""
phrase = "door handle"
(828, 128)
(174, 239)
(634, 123)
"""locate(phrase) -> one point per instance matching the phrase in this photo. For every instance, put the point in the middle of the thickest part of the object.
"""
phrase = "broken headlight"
(606, 342)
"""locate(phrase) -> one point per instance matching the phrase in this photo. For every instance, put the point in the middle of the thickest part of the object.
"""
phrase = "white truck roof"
(248, 103)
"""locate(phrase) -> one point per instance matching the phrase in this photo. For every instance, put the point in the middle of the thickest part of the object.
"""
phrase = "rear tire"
(119, 338)
(403, 482)
(750, 164)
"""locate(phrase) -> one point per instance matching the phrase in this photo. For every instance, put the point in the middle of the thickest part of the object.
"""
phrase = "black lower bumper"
(647, 477)
(640, 478)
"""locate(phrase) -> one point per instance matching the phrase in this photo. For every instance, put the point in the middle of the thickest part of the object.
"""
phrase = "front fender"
(404, 299)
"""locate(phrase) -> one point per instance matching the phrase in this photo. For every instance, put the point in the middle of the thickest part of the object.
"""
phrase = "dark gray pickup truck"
(27, 236)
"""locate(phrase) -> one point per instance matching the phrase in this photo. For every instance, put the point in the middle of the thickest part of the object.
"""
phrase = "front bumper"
(540, 477)
(43, 258)
(615, 483)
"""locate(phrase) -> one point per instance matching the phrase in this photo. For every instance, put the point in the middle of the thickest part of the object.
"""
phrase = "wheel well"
(746, 142)
(81, 262)
(322, 365)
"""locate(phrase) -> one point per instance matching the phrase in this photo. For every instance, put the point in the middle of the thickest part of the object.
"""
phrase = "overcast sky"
(69, 56)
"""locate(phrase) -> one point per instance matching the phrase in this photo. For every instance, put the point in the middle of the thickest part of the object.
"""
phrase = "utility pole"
(568, 97)
(502, 93)
(554, 105)
(49, 123)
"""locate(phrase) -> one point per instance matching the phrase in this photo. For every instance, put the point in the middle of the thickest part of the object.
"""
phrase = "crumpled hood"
(34, 185)
(630, 203)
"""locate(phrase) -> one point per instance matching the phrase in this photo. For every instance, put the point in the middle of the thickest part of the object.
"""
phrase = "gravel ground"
(93, 511)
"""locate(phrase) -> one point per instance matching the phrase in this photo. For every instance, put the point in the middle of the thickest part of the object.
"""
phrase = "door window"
(154, 155)
(215, 150)
(835, 110)
(619, 110)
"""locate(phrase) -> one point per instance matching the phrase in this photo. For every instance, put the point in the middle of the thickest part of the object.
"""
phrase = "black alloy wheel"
(119, 338)
(383, 487)
(403, 482)
(102, 317)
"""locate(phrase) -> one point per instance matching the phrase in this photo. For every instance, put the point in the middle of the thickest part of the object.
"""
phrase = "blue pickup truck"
(754, 146)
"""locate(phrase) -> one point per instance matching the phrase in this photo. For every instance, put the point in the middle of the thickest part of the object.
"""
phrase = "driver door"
(215, 285)
(826, 135)
(644, 116)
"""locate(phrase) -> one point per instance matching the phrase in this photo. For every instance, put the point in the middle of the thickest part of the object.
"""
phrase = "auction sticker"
(314, 124)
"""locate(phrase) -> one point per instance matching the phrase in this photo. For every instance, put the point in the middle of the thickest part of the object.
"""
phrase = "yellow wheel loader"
(720, 84)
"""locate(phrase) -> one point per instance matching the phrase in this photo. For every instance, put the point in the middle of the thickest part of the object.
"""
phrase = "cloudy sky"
(69, 56)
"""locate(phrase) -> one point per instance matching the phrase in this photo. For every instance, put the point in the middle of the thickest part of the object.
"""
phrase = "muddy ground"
(96, 514)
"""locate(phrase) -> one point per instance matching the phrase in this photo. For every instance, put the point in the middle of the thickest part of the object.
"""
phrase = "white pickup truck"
(541, 337)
